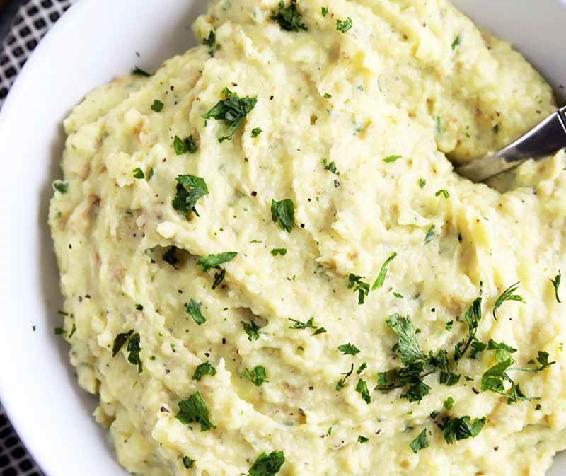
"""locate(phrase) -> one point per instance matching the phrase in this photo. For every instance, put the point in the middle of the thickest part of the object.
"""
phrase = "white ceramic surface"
(95, 41)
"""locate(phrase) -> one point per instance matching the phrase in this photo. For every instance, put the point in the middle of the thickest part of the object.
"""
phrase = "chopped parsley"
(194, 410)
(214, 261)
(232, 110)
(190, 189)
(252, 330)
(449, 403)
(378, 283)
(327, 95)
(324, 11)
(283, 212)
(188, 462)
(138, 173)
(258, 375)
(420, 442)
(391, 158)
(358, 285)
(330, 166)
(302, 325)
(139, 307)
(348, 349)
(279, 251)
(157, 105)
(362, 439)
(461, 428)
(344, 25)
(210, 41)
(456, 42)
(361, 368)
(472, 318)
(203, 369)
(556, 283)
(140, 72)
(430, 234)
(362, 389)
(421, 182)
(289, 17)
(61, 186)
(256, 131)
(193, 309)
(184, 146)
(132, 341)
(442, 192)
(407, 346)
(342, 382)
(507, 295)
(267, 464)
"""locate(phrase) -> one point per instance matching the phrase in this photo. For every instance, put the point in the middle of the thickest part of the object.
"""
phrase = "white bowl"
(95, 41)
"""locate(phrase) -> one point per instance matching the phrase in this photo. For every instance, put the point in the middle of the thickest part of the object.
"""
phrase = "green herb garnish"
(256, 131)
(430, 234)
(378, 283)
(193, 309)
(258, 375)
(184, 146)
(203, 369)
(138, 173)
(267, 464)
(344, 25)
(189, 190)
(324, 11)
(283, 212)
(391, 158)
(358, 285)
(362, 389)
(140, 72)
(188, 462)
(279, 251)
(210, 41)
(449, 403)
(194, 410)
(420, 442)
(289, 17)
(456, 42)
(348, 349)
(362, 439)
(232, 110)
(157, 105)
(461, 428)
(252, 330)
(342, 382)
(61, 186)
(507, 295)
(214, 261)
(556, 283)
(330, 166)
(442, 192)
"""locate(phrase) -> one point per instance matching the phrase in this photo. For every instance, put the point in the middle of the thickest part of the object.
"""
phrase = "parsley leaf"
(362, 389)
(257, 375)
(132, 341)
(456, 42)
(188, 462)
(430, 234)
(324, 11)
(502, 350)
(214, 261)
(138, 173)
(61, 186)
(210, 41)
(348, 349)
(203, 369)
(119, 342)
(194, 410)
(279, 251)
(256, 131)
(252, 329)
(472, 319)
(556, 283)
(289, 17)
(342, 382)
(267, 464)
(184, 146)
(140, 72)
(420, 442)
(330, 166)
(383, 272)
(302, 325)
(283, 212)
(357, 284)
(449, 403)
(407, 346)
(157, 105)
(193, 308)
(461, 428)
(507, 295)
(362, 439)
(391, 158)
(442, 192)
(421, 182)
(344, 25)
(189, 190)
(543, 359)
(232, 110)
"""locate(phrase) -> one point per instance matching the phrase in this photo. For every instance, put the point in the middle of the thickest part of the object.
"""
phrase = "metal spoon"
(546, 138)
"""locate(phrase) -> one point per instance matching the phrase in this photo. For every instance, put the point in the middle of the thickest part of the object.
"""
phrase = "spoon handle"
(543, 140)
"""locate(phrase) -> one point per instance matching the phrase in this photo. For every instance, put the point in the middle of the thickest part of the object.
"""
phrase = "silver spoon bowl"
(545, 139)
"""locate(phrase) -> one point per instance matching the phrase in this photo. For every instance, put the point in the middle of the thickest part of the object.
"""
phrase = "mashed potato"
(270, 267)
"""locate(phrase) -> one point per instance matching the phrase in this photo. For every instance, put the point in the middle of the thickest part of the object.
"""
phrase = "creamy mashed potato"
(300, 284)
